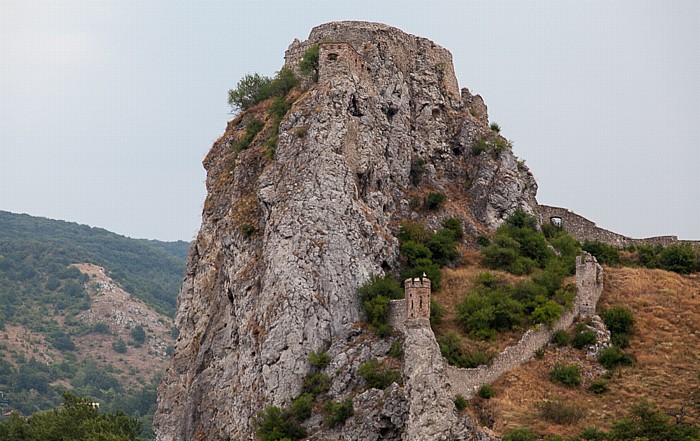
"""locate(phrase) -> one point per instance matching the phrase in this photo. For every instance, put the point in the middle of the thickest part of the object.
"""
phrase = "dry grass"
(456, 284)
(666, 345)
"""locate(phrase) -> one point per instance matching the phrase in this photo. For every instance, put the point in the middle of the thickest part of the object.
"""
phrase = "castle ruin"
(413, 312)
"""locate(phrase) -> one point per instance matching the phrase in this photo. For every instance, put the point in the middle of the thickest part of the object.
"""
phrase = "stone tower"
(417, 293)
(589, 283)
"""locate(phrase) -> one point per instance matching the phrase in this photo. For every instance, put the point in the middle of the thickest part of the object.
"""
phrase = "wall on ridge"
(583, 229)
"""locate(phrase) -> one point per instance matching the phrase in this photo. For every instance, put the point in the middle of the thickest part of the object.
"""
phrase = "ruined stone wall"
(580, 227)
(589, 284)
(339, 59)
(583, 229)
(397, 315)
(466, 382)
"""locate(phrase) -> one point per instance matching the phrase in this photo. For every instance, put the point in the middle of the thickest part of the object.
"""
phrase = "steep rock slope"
(323, 215)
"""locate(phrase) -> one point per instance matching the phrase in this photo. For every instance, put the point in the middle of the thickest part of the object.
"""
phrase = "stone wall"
(589, 283)
(466, 382)
(339, 59)
(583, 229)
(397, 315)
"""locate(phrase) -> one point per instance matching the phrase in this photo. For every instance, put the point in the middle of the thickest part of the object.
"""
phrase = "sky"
(107, 108)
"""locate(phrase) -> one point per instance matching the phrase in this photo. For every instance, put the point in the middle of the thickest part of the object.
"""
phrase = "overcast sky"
(107, 108)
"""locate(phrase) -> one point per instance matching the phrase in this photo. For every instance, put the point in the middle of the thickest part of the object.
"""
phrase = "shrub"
(583, 336)
(598, 387)
(520, 434)
(560, 338)
(378, 377)
(483, 240)
(253, 89)
(374, 297)
(316, 383)
(593, 434)
(437, 311)
(301, 407)
(620, 321)
(604, 254)
(442, 247)
(461, 403)
(138, 334)
(119, 346)
(479, 147)
(487, 309)
(486, 391)
(646, 422)
(275, 424)
(319, 360)
(100, 328)
(413, 232)
(396, 350)
(309, 62)
(247, 230)
(547, 313)
(566, 374)
(250, 90)
(435, 201)
(279, 108)
(560, 412)
(417, 171)
(539, 353)
(495, 127)
(451, 348)
(413, 251)
(613, 356)
(455, 226)
(681, 259)
(337, 413)
(252, 129)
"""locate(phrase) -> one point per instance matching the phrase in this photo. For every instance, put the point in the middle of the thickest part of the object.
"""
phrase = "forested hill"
(34, 251)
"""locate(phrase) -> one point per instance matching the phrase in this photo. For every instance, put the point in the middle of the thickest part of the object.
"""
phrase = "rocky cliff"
(286, 239)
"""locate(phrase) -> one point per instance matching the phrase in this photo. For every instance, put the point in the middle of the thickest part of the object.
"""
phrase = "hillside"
(34, 247)
(69, 322)
(665, 345)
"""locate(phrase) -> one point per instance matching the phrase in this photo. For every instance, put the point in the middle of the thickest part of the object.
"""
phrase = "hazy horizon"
(107, 109)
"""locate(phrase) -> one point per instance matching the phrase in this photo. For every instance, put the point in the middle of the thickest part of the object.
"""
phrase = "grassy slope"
(666, 345)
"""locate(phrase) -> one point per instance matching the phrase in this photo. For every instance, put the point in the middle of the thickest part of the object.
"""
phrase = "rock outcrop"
(286, 240)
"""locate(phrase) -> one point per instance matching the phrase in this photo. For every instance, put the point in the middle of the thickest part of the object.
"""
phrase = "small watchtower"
(417, 293)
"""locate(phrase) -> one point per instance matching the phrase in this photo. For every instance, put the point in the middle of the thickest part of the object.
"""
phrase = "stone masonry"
(589, 284)
(583, 229)
(412, 314)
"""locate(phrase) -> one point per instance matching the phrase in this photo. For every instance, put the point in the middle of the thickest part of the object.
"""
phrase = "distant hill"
(85, 310)
(33, 248)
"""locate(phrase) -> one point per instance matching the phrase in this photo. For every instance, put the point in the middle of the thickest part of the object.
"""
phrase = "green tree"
(138, 334)
(75, 420)
(309, 62)
(681, 259)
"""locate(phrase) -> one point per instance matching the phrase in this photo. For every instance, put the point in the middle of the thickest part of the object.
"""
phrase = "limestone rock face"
(286, 240)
